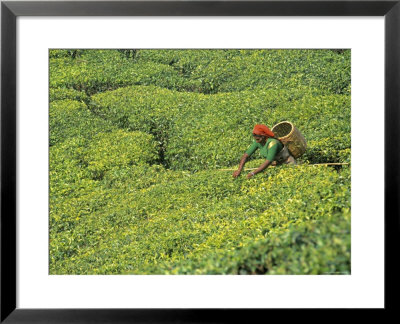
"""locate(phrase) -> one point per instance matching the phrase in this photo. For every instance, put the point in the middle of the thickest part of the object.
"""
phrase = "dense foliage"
(143, 144)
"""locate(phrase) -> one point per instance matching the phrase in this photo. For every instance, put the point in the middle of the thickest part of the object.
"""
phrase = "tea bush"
(143, 144)
(58, 53)
(128, 148)
(70, 118)
(77, 164)
(64, 93)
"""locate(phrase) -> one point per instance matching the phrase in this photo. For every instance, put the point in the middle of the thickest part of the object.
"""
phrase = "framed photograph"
(197, 161)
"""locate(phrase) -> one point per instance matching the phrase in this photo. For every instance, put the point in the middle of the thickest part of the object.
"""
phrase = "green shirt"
(271, 148)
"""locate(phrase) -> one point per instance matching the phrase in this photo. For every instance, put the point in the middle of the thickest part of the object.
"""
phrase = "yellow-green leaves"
(70, 118)
(118, 149)
(138, 143)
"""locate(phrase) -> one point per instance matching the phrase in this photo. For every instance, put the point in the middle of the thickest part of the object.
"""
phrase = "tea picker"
(281, 145)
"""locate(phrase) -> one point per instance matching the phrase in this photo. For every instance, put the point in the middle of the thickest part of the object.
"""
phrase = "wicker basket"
(290, 136)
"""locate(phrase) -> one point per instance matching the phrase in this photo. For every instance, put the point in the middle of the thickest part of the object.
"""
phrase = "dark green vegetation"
(139, 144)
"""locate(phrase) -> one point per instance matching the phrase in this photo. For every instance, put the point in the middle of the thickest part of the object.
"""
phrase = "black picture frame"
(10, 10)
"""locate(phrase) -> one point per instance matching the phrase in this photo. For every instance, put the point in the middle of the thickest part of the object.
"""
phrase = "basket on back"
(290, 136)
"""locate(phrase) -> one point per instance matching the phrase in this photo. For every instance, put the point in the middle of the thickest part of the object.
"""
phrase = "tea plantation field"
(143, 144)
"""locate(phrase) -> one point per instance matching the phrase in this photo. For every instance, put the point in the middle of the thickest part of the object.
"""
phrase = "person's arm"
(241, 165)
(261, 168)
(272, 151)
(253, 147)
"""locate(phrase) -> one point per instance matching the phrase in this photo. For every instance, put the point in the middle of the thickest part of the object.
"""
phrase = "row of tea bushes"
(237, 70)
(315, 247)
(197, 131)
(204, 71)
(107, 70)
(173, 222)
(281, 69)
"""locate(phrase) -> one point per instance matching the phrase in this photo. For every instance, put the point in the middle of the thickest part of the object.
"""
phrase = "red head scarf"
(263, 130)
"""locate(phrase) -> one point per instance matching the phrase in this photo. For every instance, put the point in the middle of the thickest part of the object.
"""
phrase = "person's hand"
(250, 175)
(236, 173)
